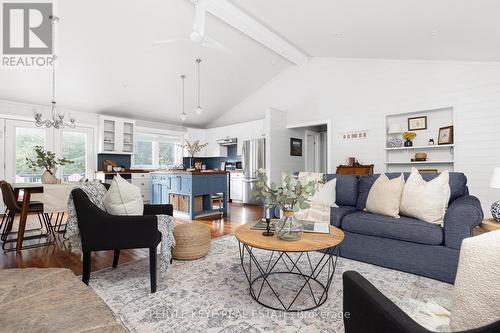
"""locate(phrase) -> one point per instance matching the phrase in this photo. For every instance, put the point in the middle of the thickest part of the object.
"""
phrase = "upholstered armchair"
(370, 311)
(101, 231)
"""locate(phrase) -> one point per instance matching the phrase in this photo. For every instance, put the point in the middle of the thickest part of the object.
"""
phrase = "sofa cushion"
(404, 228)
(346, 189)
(457, 181)
(338, 213)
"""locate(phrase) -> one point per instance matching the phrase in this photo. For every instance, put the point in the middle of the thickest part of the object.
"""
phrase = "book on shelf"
(309, 226)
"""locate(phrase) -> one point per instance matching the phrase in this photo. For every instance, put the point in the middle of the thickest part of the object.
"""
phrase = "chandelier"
(57, 119)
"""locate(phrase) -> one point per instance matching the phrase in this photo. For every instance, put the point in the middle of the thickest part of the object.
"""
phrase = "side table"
(487, 225)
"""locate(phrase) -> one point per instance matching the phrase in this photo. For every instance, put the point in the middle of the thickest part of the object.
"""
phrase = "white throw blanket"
(96, 192)
(476, 295)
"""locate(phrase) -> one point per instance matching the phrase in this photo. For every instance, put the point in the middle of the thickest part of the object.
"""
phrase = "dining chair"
(12, 208)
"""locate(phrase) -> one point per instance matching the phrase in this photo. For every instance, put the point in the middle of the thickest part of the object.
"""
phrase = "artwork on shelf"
(295, 147)
(428, 170)
(445, 136)
(417, 123)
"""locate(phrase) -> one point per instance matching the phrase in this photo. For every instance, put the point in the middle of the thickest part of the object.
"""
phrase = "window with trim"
(156, 150)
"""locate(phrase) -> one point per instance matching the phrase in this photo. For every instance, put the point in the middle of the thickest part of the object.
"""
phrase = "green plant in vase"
(193, 149)
(48, 161)
(290, 197)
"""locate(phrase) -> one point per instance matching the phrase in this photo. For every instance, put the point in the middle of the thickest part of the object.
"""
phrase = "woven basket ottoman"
(192, 241)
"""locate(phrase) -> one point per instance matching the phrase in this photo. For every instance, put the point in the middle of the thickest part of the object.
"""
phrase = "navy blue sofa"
(405, 244)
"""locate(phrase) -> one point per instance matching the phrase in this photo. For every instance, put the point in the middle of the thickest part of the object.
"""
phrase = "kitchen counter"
(185, 172)
(124, 171)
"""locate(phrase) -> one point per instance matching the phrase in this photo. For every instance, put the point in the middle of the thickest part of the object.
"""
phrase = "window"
(143, 153)
(74, 148)
(26, 140)
(156, 150)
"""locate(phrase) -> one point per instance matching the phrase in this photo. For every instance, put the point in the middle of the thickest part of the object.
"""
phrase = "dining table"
(54, 198)
(28, 189)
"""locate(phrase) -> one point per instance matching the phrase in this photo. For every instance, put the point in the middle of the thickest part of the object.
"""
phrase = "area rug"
(212, 295)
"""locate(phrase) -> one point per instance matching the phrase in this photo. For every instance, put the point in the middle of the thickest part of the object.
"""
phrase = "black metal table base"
(313, 278)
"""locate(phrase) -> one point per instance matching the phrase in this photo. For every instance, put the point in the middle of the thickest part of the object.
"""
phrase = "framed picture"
(295, 147)
(417, 123)
(445, 136)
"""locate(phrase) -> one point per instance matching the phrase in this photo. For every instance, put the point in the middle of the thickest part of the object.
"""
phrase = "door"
(77, 145)
(312, 151)
(23, 136)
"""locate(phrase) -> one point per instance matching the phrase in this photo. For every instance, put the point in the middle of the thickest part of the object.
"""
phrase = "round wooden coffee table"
(282, 262)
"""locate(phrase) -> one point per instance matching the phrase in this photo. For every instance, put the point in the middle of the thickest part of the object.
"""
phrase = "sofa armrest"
(165, 209)
(462, 216)
(366, 309)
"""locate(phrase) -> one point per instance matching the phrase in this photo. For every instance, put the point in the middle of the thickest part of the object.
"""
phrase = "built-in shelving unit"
(116, 135)
(439, 157)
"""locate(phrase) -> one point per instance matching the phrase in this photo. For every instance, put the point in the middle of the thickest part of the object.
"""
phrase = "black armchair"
(367, 310)
(101, 231)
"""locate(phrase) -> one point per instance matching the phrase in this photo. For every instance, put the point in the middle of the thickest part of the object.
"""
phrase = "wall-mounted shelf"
(422, 147)
(439, 157)
(420, 162)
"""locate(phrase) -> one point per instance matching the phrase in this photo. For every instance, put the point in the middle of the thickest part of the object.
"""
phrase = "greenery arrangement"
(45, 159)
(409, 135)
(291, 196)
(193, 148)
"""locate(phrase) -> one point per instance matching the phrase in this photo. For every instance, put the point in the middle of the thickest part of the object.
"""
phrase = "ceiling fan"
(198, 33)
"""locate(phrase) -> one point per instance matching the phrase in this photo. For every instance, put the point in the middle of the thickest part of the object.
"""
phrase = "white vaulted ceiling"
(459, 30)
(107, 63)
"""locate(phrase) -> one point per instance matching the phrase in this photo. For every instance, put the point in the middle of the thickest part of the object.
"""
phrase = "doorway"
(317, 154)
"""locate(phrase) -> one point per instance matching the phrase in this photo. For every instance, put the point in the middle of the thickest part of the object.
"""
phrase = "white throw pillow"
(384, 197)
(426, 201)
(325, 194)
(123, 198)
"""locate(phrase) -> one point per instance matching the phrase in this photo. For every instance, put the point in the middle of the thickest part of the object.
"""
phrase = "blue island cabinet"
(194, 190)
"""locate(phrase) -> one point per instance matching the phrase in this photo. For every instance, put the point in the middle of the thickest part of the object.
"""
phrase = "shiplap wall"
(358, 94)
(278, 157)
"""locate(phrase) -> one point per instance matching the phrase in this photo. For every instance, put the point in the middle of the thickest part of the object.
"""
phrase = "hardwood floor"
(58, 254)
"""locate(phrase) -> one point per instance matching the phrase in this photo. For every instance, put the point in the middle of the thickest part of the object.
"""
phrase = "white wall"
(357, 94)
(278, 157)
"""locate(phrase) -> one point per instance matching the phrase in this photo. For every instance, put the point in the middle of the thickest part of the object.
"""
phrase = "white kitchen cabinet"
(143, 181)
(242, 131)
(236, 192)
(116, 135)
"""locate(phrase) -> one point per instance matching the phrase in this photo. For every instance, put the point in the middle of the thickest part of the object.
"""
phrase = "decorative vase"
(49, 178)
(394, 143)
(408, 143)
(495, 211)
(288, 227)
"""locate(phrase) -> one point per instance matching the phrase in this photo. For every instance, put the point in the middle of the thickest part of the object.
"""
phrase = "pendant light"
(57, 118)
(183, 115)
(198, 109)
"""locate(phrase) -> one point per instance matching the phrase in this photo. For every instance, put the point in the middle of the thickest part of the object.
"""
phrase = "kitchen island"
(191, 192)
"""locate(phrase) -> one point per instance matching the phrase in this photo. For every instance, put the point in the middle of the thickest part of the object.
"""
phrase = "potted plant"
(290, 197)
(193, 149)
(408, 136)
(48, 161)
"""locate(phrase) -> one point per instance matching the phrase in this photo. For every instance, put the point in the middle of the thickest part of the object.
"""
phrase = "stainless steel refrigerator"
(254, 158)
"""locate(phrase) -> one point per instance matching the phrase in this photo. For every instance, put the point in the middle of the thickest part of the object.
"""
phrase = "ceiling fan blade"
(212, 43)
(168, 41)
